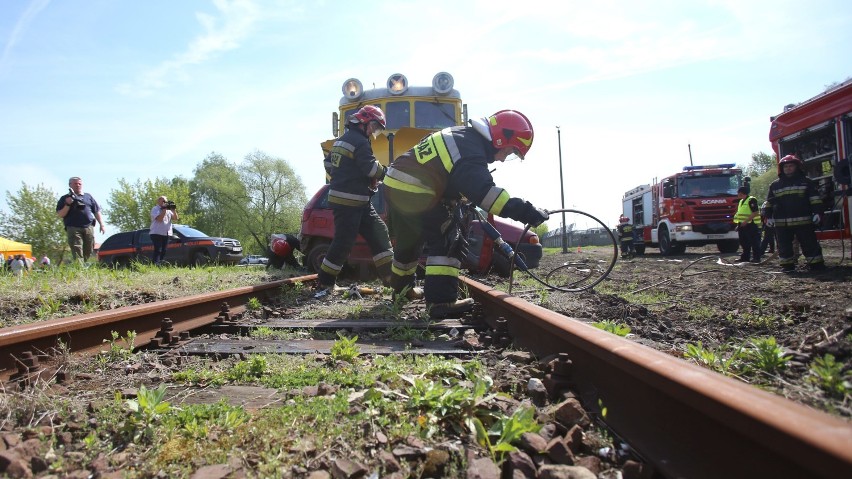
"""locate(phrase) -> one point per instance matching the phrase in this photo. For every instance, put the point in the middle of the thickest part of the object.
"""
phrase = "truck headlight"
(683, 228)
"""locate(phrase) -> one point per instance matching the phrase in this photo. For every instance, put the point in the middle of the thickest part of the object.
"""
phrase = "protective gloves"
(816, 219)
(535, 216)
(770, 222)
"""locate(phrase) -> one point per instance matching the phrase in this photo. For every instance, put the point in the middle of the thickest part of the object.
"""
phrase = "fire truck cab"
(694, 207)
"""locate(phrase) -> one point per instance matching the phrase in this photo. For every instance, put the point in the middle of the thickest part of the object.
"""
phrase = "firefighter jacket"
(449, 164)
(625, 232)
(793, 201)
(747, 206)
(352, 168)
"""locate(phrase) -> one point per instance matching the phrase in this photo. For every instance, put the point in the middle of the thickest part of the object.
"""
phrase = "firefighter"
(281, 251)
(354, 172)
(747, 219)
(794, 211)
(625, 236)
(424, 188)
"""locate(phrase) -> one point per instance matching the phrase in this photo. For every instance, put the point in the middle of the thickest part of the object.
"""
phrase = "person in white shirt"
(161, 226)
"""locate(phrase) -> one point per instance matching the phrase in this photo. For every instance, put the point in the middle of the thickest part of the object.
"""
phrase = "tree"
(250, 201)
(216, 190)
(276, 196)
(130, 205)
(32, 219)
(760, 163)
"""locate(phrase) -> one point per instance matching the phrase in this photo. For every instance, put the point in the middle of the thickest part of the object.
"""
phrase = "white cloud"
(221, 33)
(21, 26)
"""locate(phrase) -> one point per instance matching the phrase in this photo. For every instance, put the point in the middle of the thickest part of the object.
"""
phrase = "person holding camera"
(79, 212)
(161, 227)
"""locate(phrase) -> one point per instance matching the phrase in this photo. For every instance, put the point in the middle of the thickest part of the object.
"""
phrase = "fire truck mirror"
(668, 189)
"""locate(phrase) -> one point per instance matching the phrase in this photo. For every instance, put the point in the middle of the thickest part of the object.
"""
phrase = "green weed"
(145, 412)
(116, 351)
(828, 375)
(765, 355)
(253, 304)
(619, 329)
(345, 349)
(723, 360)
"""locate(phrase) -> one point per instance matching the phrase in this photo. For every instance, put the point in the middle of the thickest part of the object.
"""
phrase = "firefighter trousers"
(349, 221)
(412, 231)
(806, 234)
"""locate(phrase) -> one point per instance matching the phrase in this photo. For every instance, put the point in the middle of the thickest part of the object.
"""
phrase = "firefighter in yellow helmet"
(425, 184)
(747, 219)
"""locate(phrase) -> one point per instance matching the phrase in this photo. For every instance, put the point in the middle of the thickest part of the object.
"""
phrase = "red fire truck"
(819, 132)
(692, 208)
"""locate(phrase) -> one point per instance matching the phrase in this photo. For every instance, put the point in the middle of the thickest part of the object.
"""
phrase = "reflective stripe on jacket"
(352, 168)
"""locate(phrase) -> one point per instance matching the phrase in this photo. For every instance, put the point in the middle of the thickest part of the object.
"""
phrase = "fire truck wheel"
(667, 246)
(315, 256)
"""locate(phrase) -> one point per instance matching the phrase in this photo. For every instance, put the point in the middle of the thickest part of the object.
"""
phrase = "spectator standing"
(794, 209)
(354, 171)
(79, 212)
(18, 265)
(747, 219)
(162, 215)
(426, 183)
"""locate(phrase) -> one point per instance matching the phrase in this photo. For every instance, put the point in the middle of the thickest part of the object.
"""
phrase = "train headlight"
(442, 83)
(397, 84)
(352, 89)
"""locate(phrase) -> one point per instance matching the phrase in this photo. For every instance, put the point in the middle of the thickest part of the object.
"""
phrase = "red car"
(318, 230)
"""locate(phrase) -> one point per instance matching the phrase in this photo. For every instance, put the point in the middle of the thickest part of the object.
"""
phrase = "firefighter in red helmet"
(423, 188)
(354, 171)
(281, 251)
(625, 237)
(794, 209)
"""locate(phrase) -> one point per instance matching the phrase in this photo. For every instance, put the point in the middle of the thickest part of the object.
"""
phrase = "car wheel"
(316, 255)
(200, 258)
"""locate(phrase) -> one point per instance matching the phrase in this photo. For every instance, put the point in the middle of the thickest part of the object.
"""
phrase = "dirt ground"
(703, 296)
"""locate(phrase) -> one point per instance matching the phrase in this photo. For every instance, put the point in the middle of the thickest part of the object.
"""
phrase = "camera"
(170, 205)
(77, 200)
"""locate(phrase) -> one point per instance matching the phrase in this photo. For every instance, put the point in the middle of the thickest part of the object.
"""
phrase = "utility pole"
(562, 189)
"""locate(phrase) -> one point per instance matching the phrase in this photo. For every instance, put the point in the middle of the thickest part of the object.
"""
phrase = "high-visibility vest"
(743, 212)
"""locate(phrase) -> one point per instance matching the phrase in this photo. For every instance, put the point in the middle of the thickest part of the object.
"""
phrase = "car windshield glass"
(188, 232)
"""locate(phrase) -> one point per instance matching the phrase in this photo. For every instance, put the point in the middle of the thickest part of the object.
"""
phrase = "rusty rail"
(86, 333)
(686, 420)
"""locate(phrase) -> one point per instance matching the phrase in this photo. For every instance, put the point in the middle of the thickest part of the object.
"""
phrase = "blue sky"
(108, 89)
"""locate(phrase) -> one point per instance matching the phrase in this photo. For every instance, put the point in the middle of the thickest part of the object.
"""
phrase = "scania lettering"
(819, 132)
(694, 207)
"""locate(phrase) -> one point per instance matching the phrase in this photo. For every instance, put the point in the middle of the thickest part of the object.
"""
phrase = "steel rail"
(685, 420)
(86, 333)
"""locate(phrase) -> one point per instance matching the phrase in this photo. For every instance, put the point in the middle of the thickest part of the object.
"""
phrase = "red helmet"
(281, 247)
(623, 219)
(369, 113)
(511, 128)
(790, 159)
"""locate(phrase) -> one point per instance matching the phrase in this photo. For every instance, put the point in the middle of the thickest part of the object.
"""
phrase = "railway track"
(684, 420)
